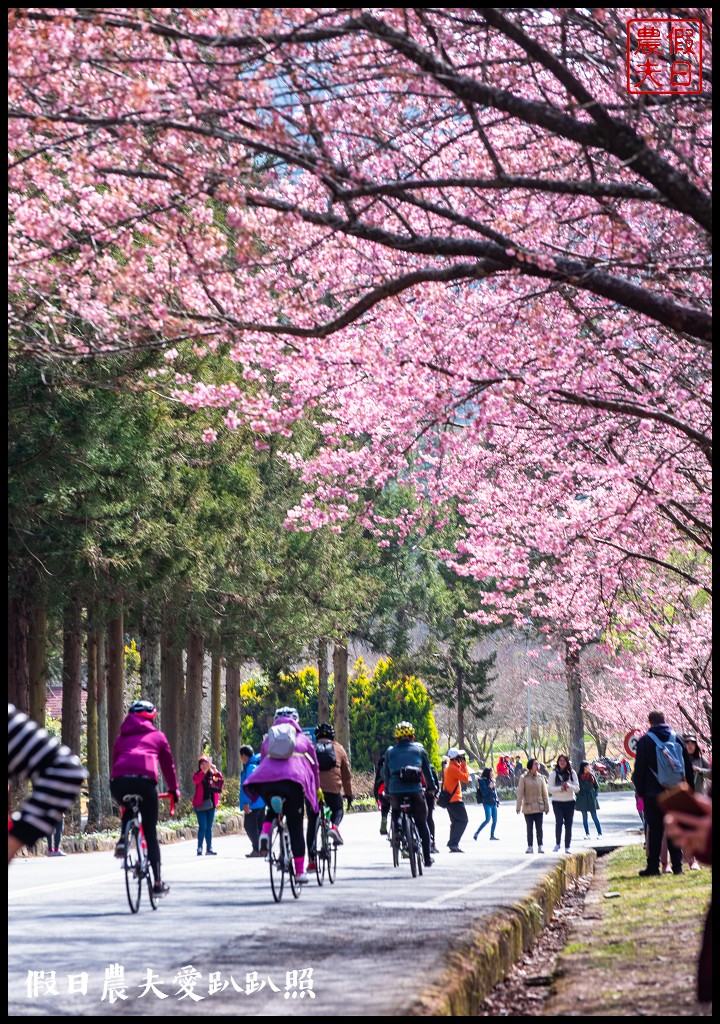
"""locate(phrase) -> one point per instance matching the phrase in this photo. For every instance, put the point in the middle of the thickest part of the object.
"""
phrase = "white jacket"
(557, 793)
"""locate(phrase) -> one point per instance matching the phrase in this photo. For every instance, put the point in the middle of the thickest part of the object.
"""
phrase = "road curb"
(472, 971)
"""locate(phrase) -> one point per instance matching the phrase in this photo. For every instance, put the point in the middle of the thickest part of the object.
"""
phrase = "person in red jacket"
(137, 752)
(208, 780)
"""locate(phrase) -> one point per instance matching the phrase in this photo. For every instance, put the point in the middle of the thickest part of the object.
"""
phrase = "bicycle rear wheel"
(319, 846)
(331, 849)
(133, 869)
(417, 845)
(276, 858)
(409, 844)
(295, 886)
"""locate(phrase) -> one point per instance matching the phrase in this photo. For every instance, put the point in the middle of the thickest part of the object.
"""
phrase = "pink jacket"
(302, 767)
(200, 789)
(138, 750)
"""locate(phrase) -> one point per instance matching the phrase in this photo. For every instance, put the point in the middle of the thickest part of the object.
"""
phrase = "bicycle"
(405, 840)
(325, 847)
(136, 863)
(280, 855)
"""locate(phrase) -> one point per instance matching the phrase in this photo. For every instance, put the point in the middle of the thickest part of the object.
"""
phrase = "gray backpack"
(281, 741)
(670, 764)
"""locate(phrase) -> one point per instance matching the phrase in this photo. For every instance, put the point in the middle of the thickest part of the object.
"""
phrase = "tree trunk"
(232, 721)
(38, 662)
(115, 678)
(172, 686)
(216, 704)
(95, 812)
(192, 727)
(72, 689)
(572, 681)
(341, 697)
(18, 668)
(460, 706)
(323, 678)
(150, 670)
(102, 711)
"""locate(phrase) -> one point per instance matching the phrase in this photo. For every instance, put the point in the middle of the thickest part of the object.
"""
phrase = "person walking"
(208, 781)
(253, 810)
(700, 765)
(54, 840)
(487, 793)
(562, 786)
(432, 786)
(456, 773)
(587, 799)
(532, 801)
(659, 741)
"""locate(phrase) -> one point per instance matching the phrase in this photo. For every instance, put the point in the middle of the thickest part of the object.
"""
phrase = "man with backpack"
(335, 778)
(661, 762)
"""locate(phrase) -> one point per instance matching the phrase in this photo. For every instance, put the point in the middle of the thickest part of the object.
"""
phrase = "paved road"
(219, 945)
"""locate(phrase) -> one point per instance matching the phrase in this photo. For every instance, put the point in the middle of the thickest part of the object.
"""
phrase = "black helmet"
(325, 731)
(144, 708)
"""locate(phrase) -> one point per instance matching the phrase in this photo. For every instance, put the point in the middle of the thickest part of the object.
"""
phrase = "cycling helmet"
(144, 708)
(288, 713)
(325, 732)
(404, 731)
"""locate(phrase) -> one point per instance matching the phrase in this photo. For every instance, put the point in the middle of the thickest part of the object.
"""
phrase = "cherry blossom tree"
(449, 234)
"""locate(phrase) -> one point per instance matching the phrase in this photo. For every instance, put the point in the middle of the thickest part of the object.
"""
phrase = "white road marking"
(454, 893)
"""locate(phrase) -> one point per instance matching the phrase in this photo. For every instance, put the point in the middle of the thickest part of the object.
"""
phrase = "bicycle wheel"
(133, 869)
(409, 844)
(295, 886)
(417, 846)
(276, 858)
(319, 846)
(331, 853)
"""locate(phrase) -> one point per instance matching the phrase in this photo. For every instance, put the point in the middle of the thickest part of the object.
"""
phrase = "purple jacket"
(138, 749)
(302, 767)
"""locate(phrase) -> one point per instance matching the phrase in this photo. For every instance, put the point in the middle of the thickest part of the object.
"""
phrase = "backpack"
(281, 741)
(326, 756)
(670, 764)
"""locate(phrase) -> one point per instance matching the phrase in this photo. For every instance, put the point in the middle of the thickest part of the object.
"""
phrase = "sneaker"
(199, 853)
(540, 849)
(694, 866)
(476, 835)
(456, 849)
(383, 827)
(429, 862)
(667, 870)
(264, 843)
(677, 871)
(434, 849)
(567, 850)
(58, 853)
(529, 849)
(302, 879)
(311, 865)
(648, 872)
(161, 889)
(210, 853)
(495, 838)
(587, 835)
(120, 849)
(336, 835)
(556, 848)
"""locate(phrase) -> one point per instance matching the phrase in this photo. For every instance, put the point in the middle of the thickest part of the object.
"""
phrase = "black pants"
(564, 811)
(537, 820)
(148, 790)
(335, 802)
(253, 823)
(418, 813)
(654, 829)
(430, 801)
(458, 822)
(292, 793)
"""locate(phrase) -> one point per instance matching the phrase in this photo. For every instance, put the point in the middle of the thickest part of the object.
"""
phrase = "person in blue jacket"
(254, 810)
(489, 799)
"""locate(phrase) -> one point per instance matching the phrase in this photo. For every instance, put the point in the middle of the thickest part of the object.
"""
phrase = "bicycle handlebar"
(171, 798)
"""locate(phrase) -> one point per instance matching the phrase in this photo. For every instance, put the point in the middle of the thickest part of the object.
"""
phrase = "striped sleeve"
(55, 772)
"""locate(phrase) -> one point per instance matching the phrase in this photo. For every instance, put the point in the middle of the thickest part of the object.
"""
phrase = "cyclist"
(335, 778)
(138, 749)
(405, 765)
(290, 772)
